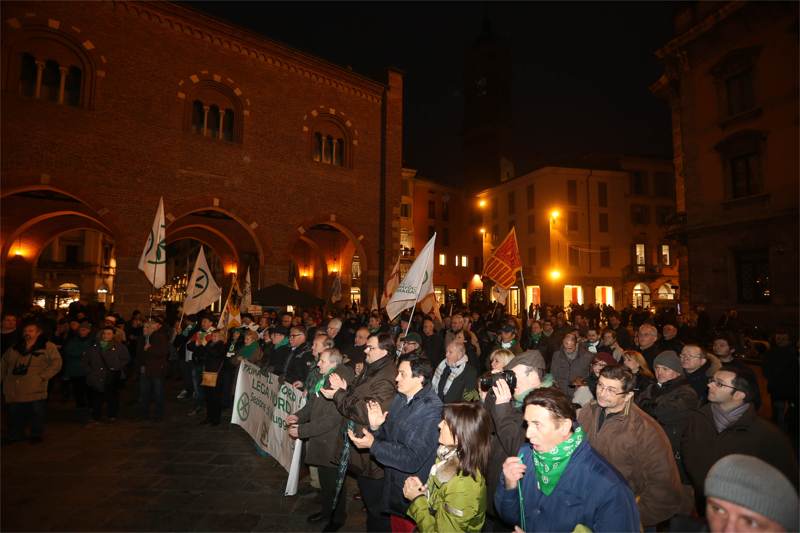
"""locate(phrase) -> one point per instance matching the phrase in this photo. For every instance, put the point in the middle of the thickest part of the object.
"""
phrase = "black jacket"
(298, 363)
(465, 382)
(508, 436)
(671, 405)
(405, 445)
(433, 346)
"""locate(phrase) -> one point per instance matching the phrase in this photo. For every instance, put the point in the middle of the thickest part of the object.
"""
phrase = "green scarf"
(318, 385)
(247, 350)
(550, 465)
(105, 345)
(519, 397)
(284, 342)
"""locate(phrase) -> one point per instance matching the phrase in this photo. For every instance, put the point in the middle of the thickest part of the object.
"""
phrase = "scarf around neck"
(321, 382)
(248, 350)
(724, 419)
(455, 371)
(550, 465)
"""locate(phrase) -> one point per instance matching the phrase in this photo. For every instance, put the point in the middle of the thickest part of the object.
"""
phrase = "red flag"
(503, 265)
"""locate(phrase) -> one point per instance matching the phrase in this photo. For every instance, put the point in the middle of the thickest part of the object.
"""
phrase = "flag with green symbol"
(202, 290)
(154, 256)
(417, 284)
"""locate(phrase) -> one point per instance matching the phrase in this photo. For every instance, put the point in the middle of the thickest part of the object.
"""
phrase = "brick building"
(275, 159)
(731, 82)
(427, 207)
(589, 232)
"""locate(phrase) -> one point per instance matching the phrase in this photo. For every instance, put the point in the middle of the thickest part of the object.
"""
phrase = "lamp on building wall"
(554, 214)
(231, 269)
(555, 274)
(19, 251)
(482, 203)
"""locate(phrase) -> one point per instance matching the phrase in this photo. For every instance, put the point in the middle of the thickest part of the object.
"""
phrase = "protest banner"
(261, 405)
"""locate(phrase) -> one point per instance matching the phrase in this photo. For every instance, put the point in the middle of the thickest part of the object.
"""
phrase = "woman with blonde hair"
(643, 376)
(499, 359)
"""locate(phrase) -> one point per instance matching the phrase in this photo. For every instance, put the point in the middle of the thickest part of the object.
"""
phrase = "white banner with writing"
(261, 406)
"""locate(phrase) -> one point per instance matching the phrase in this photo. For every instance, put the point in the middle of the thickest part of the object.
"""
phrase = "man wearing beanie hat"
(743, 493)
(670, 400)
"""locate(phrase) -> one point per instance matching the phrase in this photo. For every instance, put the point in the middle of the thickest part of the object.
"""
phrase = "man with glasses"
(698, 367)
(300, 359)
(647, 339)
(728, 424)
(635, 445)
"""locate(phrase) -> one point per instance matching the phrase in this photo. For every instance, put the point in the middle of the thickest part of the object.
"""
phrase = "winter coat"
(454, 502)
(508, 436)
(42, 361)
(670, 404)
(405, 445)
(275, 358)
(320, 425)
(565, 370)
(463, 387)
(101, 366)
(213, 358)
(698, 379)
(640, 384)
(638, 448)
(590, 492)
(153, 356)
(433, 346)
(376, 382)
(299, 363)
(702, 445)
(72, 352)
(650, 355)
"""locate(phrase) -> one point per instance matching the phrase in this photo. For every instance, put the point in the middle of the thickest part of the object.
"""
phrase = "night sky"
(580, 79)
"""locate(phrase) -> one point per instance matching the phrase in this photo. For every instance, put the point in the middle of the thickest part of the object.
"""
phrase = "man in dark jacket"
(729, 424)
(406, 437)
(277, 350)
(572, 361)
(376, 383)
(670, 400)
(432, 343)
(698, 367)
(152, 356)
(781, 368)
(623, 337)
(648, 343)
(319, 423)
(455, 380)
(300, 359)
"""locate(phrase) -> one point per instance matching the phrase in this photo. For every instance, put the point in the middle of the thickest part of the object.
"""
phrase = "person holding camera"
(27, 367)
(505, 392)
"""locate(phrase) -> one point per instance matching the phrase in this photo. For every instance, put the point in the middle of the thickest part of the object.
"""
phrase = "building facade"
(731, 82)
(594, 234)
(428, 207)
(276, 160)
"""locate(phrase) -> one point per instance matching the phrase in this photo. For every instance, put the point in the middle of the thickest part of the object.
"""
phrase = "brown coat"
(43, 363)
(702, 446)
(376, 382)
(638, 448)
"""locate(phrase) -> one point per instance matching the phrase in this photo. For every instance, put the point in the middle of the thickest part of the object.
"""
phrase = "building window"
(572, 192)
(355, 268)
(640, 258)
(574, 256)
(741, 154)
(663, 214)
(638, 183)
(532, 223)
(603, 222)
(739, 92)
(445, 236)
(457, 261)
(640, 214)
(735, 76)
(531, 198)
(214, 112)
(666, 260)
(406, 241)
(431, 231)
(511, 202)
(72, 254)
(445, 210)
(510, 224)
(605, 257)
(664, 184)
(464, 262)
(641, 296)
(602, 194)
(532, 256)
(405, 187)
(442, 260)
(572, 221)
(432, 209)
(752, 277)
(405, 210)
(50, 79)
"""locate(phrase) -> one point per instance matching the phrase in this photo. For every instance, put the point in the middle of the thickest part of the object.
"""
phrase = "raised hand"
(376, 416)
(502, 392)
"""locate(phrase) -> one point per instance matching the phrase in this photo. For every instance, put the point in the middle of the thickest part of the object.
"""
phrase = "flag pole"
(524, 299)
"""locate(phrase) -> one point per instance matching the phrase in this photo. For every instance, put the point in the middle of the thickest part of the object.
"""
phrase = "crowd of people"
(576, 419)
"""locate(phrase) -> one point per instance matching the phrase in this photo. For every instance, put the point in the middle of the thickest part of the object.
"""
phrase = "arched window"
(666, 292)
(329, 143)
(641, 295)
(214, 112)
(48, 65)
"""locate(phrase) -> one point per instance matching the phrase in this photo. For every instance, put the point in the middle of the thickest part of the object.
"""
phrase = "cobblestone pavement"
(175, 475)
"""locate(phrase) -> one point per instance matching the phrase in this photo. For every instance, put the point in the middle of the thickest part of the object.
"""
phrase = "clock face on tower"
(480, 86)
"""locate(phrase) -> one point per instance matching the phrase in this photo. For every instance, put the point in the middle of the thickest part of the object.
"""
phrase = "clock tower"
(487, 112)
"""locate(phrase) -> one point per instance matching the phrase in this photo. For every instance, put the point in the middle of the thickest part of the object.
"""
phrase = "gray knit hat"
(755, 485)
(669, 359)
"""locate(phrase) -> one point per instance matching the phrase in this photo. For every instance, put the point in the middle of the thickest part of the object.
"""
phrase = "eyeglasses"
(296, 335)
(718, 383)
(611, 390)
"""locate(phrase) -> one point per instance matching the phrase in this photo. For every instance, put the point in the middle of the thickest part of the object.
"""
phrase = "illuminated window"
(641, 258)
(464, 261)
(665, 258)
(457, 262)
(442, 259)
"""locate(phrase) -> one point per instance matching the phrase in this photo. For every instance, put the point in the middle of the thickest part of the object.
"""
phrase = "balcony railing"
(641, 271)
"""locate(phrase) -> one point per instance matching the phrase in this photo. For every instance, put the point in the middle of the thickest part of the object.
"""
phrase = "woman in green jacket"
(454, 498)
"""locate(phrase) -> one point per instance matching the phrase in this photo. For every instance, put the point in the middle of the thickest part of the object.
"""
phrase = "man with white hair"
(333, 329)
(647, 339)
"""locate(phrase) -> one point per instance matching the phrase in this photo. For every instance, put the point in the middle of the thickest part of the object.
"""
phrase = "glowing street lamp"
(481, 203)
(554, 214)
(555, 274)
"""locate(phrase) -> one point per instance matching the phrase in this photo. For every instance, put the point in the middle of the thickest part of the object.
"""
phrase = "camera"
(20, 370)
(488, 380)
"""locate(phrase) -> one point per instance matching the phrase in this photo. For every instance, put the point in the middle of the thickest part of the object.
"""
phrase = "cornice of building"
(704, 26)
(254, 46)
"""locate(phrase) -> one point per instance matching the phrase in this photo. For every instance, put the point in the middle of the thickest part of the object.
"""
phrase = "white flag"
(247, 291)
(202, 290)
(336, 290)
(154, 256)
(500, 294)
(374, 306)
(417, 284)
(391, 284)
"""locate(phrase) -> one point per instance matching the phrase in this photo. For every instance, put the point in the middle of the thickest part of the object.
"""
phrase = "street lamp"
(481, 203)
(554, 214)
(555, 274)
